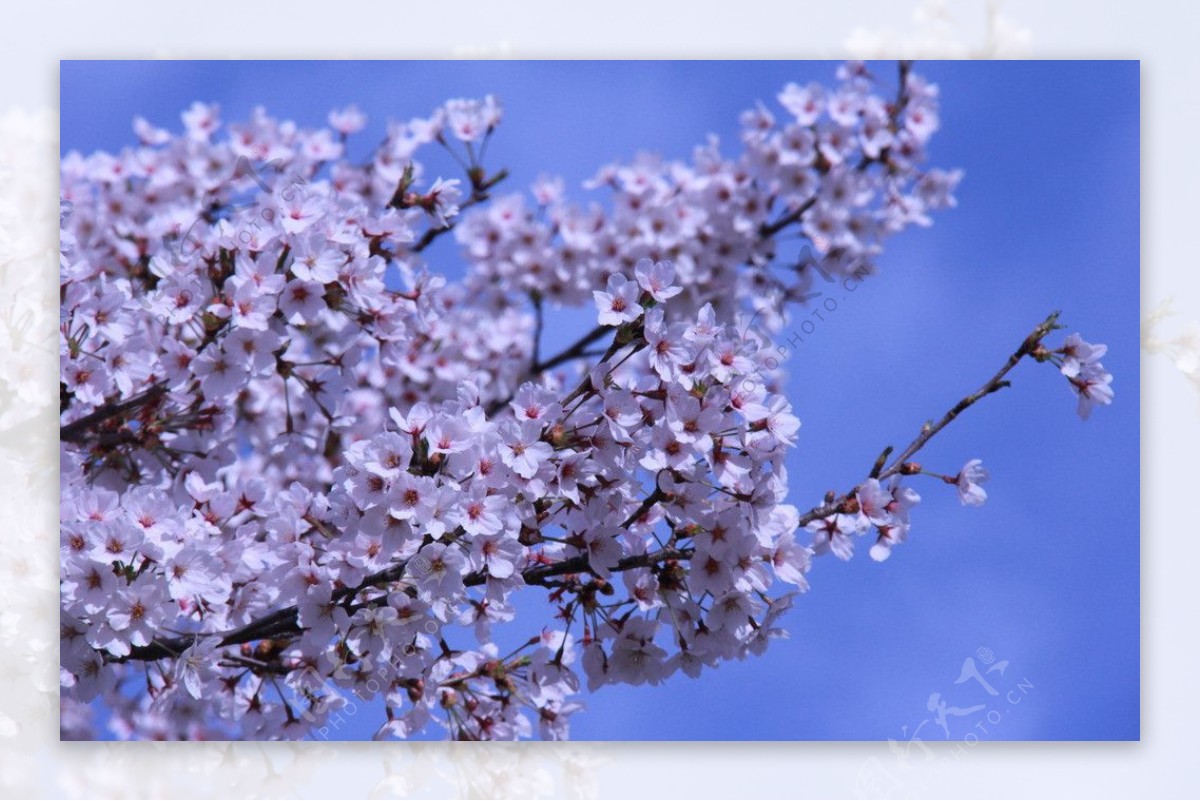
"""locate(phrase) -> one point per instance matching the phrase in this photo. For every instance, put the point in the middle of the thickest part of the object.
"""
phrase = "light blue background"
(1046, 575)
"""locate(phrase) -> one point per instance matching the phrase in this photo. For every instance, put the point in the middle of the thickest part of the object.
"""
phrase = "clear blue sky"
(1046, 575)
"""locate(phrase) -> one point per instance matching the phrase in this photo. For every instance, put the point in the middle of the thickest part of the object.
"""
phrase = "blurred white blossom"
(938, 34)
(1182, 347)
(28, 585)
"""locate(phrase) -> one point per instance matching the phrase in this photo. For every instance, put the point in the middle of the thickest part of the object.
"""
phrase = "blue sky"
(1046, 575)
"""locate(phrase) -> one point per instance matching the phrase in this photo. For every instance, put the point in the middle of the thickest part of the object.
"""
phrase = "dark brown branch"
(930, 429)
(539, 323)
(577, 349)
(285, 622)
(902, 95)
(881, 462)
(645, 506)
(579, 564)
(76, 430)
(572, 351)
(766, 231)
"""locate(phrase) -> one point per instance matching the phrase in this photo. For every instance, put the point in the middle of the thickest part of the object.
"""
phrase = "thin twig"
(930, 429)
(539, 322)
(576, 350)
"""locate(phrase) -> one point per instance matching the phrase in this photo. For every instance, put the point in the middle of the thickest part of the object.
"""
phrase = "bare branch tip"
(881, 462)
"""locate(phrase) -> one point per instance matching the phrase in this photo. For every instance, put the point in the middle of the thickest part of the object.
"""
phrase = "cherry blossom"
(1092, 386)
(300, 466)
(1079, 361)
(619, 304)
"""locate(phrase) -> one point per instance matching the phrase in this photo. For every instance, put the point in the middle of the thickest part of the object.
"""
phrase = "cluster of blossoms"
(841, 169)
(302, 473)
(1079, 361)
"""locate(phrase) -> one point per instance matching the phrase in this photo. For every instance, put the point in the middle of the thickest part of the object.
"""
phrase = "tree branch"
(574, 350)
(931, 429)
(579, 564)
(285, 622)
(766, 231)
(75, 431)
(539, 322)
